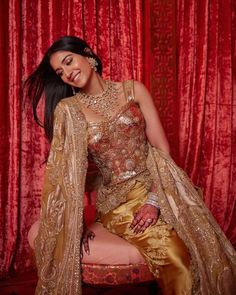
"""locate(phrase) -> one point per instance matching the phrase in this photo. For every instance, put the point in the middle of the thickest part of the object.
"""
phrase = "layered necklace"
(104, 103)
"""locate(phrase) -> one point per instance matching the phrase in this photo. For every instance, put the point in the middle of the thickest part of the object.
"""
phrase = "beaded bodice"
(119, 146)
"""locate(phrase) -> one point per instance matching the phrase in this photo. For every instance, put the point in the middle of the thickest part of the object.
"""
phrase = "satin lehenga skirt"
(165, 253)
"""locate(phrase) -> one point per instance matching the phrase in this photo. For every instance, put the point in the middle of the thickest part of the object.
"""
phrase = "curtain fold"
(192, 80)
(206, 61)
(10, 111)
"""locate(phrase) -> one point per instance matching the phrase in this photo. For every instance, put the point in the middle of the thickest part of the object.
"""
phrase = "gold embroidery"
(57, 245)
(109, 197)
(119, 149)
(183, 207)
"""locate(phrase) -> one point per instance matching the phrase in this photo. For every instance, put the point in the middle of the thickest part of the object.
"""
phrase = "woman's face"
(72, 68)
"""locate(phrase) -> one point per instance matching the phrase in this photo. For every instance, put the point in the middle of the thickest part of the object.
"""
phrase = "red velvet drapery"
(207, 102)
(194, 42)
(196, 109)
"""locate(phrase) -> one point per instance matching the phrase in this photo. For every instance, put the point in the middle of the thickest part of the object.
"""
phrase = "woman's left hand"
(146, 216)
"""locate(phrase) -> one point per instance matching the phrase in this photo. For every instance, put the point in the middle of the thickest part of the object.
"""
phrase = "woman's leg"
(167, 256)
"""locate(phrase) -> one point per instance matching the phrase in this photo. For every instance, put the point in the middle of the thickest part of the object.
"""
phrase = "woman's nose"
(67, 73)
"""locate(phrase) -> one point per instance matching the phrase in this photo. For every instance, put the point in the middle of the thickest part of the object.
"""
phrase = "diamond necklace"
(104, 103)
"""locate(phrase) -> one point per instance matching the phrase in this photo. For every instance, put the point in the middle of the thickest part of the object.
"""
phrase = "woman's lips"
(76, 77)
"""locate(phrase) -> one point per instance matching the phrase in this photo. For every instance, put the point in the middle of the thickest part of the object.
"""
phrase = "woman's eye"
(68, 62)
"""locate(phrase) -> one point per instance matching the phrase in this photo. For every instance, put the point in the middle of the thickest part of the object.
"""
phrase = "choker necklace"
(104, 103)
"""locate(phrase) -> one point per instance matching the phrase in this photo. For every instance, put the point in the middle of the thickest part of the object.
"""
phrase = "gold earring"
(93, 63)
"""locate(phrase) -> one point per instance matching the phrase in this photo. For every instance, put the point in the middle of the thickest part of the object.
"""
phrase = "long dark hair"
(45, 82)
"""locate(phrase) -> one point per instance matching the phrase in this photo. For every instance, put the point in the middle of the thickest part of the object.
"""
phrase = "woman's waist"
(113, 194)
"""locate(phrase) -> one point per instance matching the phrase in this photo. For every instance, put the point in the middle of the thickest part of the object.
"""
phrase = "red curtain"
(206, 32)
(10, 125)
(193, 82)
(188, 64)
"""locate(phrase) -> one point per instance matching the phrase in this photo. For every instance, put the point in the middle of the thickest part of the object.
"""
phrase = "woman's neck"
(95, 85)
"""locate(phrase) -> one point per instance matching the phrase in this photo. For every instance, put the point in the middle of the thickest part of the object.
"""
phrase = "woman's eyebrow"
(63, 60)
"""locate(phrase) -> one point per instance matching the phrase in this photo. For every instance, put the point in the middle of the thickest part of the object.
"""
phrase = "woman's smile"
(72, 68)
(76, 77)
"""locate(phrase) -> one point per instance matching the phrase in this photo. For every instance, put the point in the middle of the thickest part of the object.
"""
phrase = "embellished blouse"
(119, 149)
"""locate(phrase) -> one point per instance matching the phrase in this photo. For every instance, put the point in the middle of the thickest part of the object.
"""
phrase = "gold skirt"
(165, 253)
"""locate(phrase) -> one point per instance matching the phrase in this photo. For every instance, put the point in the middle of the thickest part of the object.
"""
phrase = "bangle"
(152, 200)
(152, 196)
(153, 203)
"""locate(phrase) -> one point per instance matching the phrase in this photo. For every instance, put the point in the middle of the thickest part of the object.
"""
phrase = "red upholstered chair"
(112, 260)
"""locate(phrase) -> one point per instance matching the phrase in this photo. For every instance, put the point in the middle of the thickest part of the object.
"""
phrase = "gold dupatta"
(57, 246)
(213, 257)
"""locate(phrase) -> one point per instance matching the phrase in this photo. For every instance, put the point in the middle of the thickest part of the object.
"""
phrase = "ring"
(149, 220)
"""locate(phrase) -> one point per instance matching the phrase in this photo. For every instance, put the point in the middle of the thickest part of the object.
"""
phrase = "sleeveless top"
(119, 148)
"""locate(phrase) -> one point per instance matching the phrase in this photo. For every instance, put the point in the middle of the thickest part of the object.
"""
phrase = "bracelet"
(152, 200)
(153, 203)
(152, 196)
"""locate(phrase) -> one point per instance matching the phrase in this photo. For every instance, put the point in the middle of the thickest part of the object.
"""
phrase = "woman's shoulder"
(131, 83)
(137, 85)
(64, 102)
(138, 89)
(68, 104)
(132, 89)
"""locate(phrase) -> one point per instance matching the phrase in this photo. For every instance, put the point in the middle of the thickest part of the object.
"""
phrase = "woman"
(144, 197)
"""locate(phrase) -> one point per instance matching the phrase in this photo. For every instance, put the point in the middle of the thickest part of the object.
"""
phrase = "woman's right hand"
(87, 235)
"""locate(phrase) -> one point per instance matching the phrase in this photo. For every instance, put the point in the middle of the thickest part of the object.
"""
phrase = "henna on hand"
(146, 216)
(87, 235)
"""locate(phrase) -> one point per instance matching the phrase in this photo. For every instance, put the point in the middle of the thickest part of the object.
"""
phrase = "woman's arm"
(154, 130)
(157, 138)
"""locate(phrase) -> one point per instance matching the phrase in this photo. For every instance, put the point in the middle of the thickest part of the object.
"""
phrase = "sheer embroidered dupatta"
(213, 257)
(57, 246)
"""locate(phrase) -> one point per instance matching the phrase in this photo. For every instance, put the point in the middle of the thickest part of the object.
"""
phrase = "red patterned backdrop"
(185, 53)
(193, 82)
